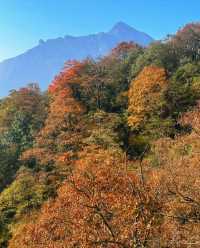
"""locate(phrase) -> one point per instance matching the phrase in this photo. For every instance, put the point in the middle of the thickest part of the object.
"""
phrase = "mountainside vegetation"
(109, 155)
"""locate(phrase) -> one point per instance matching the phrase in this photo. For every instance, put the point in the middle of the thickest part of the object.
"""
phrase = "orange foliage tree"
(62, 129)
(145, 94)
(65, 110)
(71, 74)
(178, 162)
(101, 205)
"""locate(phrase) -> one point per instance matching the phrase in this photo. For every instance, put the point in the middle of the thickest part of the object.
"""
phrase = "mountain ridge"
(41, 63)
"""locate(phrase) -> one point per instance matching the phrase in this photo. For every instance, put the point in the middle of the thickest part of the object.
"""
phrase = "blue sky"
(24, 22)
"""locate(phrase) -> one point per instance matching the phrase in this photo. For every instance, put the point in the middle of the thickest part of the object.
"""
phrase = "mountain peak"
(121, 27)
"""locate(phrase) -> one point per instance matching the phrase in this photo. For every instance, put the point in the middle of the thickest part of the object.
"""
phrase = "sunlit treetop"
(71, 74)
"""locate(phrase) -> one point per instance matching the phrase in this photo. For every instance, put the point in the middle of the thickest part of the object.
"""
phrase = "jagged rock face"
(41, 63)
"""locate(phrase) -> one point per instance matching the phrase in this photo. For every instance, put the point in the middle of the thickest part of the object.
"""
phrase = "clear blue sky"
(24, 22)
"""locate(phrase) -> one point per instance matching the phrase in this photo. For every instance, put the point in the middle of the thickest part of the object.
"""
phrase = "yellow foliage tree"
(145, 94)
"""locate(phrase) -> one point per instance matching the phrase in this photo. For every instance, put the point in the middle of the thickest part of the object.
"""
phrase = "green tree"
(22, 114)
(161, 54)
(184, 89)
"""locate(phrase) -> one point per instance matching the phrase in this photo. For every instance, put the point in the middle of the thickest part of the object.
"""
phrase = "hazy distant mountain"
(41, 63)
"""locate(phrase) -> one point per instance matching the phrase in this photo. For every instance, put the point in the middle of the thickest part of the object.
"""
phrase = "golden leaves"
(145, 94)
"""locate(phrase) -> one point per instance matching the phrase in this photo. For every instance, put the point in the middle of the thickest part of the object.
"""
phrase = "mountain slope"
(41, 63)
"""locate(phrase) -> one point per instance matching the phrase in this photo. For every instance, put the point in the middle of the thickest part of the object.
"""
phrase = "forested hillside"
(109, 156)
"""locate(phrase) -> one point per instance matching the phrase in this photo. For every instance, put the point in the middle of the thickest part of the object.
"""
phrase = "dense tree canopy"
(109, 155)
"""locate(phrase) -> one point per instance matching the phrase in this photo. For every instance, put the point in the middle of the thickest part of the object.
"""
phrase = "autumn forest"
(109, 155)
